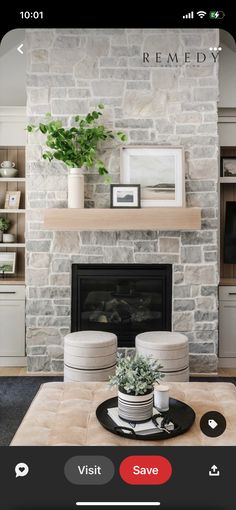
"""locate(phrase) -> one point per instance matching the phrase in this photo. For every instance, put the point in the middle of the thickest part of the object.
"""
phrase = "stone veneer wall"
(71, 71)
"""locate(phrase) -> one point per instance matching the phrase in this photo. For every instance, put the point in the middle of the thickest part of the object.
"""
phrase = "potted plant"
(78, 147)
(4, 226)
(135, 378)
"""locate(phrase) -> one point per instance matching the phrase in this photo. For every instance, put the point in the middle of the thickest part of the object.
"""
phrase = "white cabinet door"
(227, 329)
(12, 321)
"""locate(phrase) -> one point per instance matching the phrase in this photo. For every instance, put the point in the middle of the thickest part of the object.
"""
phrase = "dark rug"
(214, 379)
(17, 393)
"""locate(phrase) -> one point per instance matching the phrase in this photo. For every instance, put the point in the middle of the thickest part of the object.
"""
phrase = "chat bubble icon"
(21, 469)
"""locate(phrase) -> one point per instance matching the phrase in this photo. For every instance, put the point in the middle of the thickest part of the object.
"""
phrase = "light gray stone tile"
(67, 41)
(169, 245)
(50, 80)
(197, 238)
(39, 307)
(66, 242)
(200, 315)
(39, 39)
(156, 258)
(203, 363)
(125, 74)
(69, 106)
(206, 94)
(202, 347)
(38, 363)
(54, 322)
(40, 260)
(182, 291)
(108, 88)
(145, 246)
(207, 335)
(57, 365)
(210, 256)
(62, 279)
(200, 274)
(184, 304)
(122, 255)
(209, 290)
(61, 265)
(138, 85)
(191, 254)
(182, 321)
(37, 276)
(33, 350)
(62, 310)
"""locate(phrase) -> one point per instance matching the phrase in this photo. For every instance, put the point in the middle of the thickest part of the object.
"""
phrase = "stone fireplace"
(125, 299)
(70, 72)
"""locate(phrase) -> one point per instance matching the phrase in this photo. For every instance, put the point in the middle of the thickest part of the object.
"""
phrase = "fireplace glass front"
(126, 299)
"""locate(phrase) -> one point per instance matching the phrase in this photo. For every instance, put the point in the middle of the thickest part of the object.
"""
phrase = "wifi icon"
(201, 14)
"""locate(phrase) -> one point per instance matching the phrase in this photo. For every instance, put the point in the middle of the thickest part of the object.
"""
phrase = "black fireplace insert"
(126, 299)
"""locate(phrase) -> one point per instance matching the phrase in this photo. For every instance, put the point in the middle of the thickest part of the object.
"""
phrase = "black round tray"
(182, 415)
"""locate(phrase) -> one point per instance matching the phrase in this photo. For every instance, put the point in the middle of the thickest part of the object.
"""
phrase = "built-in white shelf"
(228, 180)
(13, 211)
(12, 179)
(12, 281)
(12, 245)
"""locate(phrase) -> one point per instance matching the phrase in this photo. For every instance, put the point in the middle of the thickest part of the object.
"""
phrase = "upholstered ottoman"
(170, 348)
(89, 356)
(64, 414)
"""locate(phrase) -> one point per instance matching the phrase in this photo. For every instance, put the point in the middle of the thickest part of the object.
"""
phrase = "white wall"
(12, 70)
(12, 125)
(227, 71)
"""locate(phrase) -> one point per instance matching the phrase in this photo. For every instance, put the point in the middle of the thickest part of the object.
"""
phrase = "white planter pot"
(75, 188)
(135, 408)
(1, 236)
(8, 238)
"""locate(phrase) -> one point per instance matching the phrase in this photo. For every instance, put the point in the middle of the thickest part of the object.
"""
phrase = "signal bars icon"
(190, 15)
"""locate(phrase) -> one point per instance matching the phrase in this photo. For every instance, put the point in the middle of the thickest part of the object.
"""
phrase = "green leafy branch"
(137, 374)
(78, 146)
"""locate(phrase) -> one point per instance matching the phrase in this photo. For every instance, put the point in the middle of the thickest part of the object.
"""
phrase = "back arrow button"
(20, 48)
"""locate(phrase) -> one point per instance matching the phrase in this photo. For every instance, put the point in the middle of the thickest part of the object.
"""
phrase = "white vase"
(135, 408)
(75, 188)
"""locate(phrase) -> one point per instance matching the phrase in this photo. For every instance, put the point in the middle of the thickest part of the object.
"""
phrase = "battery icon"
(216, 15)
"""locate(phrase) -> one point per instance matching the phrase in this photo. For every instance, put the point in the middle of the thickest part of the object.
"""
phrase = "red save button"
(145, 470)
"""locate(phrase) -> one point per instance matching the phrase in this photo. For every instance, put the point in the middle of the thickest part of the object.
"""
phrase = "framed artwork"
(7, 262)
(12, 199)
(228, 166)
(159, 171)
(125, 196)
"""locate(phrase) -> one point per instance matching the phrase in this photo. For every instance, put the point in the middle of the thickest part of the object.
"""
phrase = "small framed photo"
(12, 199)
(7, 263)
(125, 196)
(228, 166)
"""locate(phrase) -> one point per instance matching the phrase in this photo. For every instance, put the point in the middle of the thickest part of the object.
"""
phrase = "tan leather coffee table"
(63, 414)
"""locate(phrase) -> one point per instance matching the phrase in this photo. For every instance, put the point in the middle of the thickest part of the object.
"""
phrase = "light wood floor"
(15, 371)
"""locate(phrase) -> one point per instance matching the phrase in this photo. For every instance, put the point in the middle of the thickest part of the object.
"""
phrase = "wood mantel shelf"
(149, 218)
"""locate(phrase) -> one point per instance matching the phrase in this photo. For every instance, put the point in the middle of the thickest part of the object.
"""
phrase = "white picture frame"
(7, 262)
(160, 172)
(12, 199)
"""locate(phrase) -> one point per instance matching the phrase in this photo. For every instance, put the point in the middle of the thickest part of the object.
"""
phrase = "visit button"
(145, 470)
